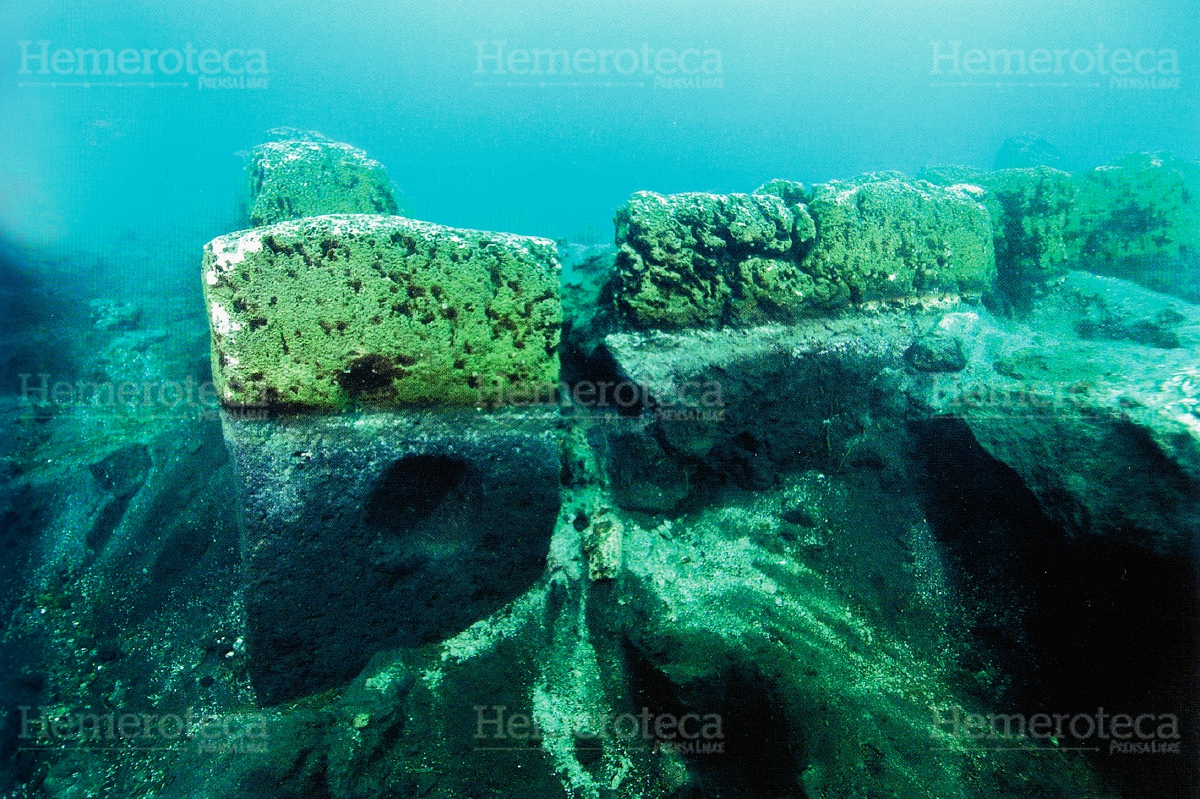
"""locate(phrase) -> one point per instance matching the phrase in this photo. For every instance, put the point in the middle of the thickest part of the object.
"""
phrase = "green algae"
(1137, 218)
(386, 311)
(707, 260)
(680, 258)
(790, 191)
(297, 178)
(885, 235)
(1030, 209)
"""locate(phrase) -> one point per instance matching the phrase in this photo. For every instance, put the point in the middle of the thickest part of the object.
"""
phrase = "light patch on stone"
(228, 251)
(484, 635)
(221, 322)
(386, 679)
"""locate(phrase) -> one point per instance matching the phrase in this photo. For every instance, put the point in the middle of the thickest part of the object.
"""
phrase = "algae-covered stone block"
(1139, 219)
(295, 178)
(952, 174)
(387, 311)
(697, 259)
(707, 260)
(790, 191)
(885, 235)
(1030, 209)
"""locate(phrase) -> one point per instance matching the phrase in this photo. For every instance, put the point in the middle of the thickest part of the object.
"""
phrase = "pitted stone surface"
(312, 175)
(381, 310)
(707, 260)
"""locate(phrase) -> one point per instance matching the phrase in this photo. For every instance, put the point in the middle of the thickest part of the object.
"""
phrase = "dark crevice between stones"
(761, 752)
(1014, 248)
(1076, 624)
(593, 378)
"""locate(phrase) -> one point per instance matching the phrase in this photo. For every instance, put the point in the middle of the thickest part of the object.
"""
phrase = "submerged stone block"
(1139, 219)
(707, 260)
(310, 176)
(743, 406)
(1085, 403)
(884, 235)
(790, 191)
(384, 311)
(1030, 150)
(363, 532)
(1030, 209)
(695, 259)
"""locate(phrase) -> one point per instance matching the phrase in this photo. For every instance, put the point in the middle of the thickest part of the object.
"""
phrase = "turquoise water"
(807, 92)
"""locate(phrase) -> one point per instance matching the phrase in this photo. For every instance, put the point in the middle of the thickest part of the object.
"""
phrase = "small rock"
(603, 547)
(937, 352)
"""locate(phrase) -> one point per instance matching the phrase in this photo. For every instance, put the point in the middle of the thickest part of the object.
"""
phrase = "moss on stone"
(790, 191)
(885, 235)
(1139, 219)
(319, 312)
(1029, 209)
(295, 178)
(951, 174)
(707, 260)
(693, 259)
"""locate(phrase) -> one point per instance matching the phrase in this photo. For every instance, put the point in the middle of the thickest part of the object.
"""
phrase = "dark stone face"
(414, 487)
(937, 353)
(409, 530)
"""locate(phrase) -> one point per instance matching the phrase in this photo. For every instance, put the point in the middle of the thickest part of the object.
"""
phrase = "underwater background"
(673, 399)
(814, 92)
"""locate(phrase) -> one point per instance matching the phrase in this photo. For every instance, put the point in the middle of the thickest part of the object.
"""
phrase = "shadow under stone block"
(368, 531)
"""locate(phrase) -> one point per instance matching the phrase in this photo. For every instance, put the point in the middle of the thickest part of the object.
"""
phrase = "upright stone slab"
(696, 259)
(363, 532)
(386, 311)
(1139, 219)
(382, 504)
(886, 236)
(297, 177)
(1030, 209)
